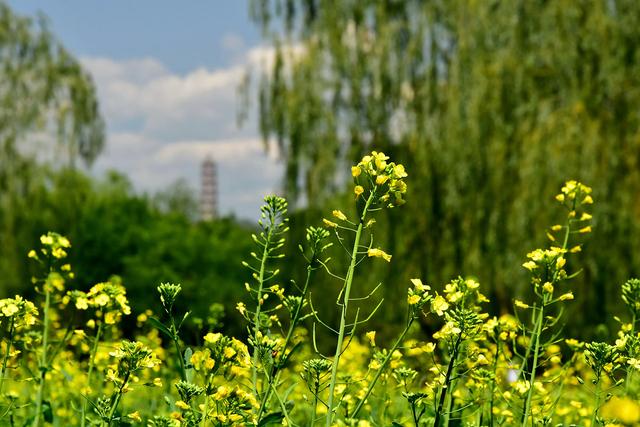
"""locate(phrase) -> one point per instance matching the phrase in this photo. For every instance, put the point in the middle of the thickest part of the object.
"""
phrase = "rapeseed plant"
(64, 361)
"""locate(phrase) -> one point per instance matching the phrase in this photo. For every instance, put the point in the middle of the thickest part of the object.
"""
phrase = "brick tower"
(209, 191)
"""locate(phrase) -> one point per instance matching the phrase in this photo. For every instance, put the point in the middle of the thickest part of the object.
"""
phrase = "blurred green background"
(490, 105)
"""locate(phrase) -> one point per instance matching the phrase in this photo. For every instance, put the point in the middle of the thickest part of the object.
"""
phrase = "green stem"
(315, 405)
(534, 366)
(176, 342)
(343, 314)
(627, 381)
(256, 325)
(203, 420)
(92, 359)
(414, 414)
(386, 360)
(597, 406)
(275, 375)
(116, 400)
(43, 359)
(6, 355)
(493, 383)
(447, 381)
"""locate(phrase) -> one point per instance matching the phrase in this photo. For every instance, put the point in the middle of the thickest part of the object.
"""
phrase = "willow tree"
(491, 105)
(48, 112)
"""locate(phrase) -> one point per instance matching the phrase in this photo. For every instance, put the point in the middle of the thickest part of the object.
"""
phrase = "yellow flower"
(586, 229)
(429, 347)
(381, 179)
(399, 171)
(242, 309)
(356, 171)
(413, 299)
(566, 297)
(82, 303)
(556, 227)
(135, 416)
(420, 287)
(212, 338)
(102, 300)
(358, 190)
(587, 200)
(32, 254)
(548, 288)
(371, 336)
(520, 304)
(338, 214)
(585, 217)
(182, 405)
(623, 409)
(439, 305)
(560, 197)
(46, 240)
(379, 253)
(10, 309)
(229, 352)
(328, 223)
(530, 265)
(110, 318)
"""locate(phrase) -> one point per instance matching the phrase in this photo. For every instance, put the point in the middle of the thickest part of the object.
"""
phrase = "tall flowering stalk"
(274, 225)
(315, 240)
(16, 314)
(51, 254)
(547, 270)
(378, 184)
(109, 303)
(463, 324)
(417, 297)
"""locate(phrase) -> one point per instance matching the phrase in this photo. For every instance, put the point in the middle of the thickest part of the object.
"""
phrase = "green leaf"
(271, 419)
(188, 367)
(160, 326)
(47, 412)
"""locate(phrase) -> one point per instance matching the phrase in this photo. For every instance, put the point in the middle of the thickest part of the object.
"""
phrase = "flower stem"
(447, 381)
(92, 360)
(43, 359)
(275, 374)
(343, 314)
(6, 355)
(627, 381)
(116, 399)
(256, 323)
(534, 366)
(596, 408)
(386, 360)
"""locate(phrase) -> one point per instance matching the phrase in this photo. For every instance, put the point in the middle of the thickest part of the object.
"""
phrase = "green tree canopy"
(491, 105)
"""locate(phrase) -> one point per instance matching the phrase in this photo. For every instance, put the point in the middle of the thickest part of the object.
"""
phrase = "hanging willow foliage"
(490, 104)
(48, 111)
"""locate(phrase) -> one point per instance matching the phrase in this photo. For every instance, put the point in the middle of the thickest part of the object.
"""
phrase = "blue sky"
(167, 74)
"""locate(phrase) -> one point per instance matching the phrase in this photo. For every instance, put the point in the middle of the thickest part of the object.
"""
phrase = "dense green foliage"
(137, 238)
(489, 104)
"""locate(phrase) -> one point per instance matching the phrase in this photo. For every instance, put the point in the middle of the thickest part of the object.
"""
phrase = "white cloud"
(161, 125)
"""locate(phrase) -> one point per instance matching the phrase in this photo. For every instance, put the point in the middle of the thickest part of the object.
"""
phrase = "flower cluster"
(53, 245)
(17, 312)
(109, 299)
(382, 180)
(131, 357)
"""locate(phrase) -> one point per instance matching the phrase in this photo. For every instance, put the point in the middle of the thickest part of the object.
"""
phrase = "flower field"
(67, 360)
